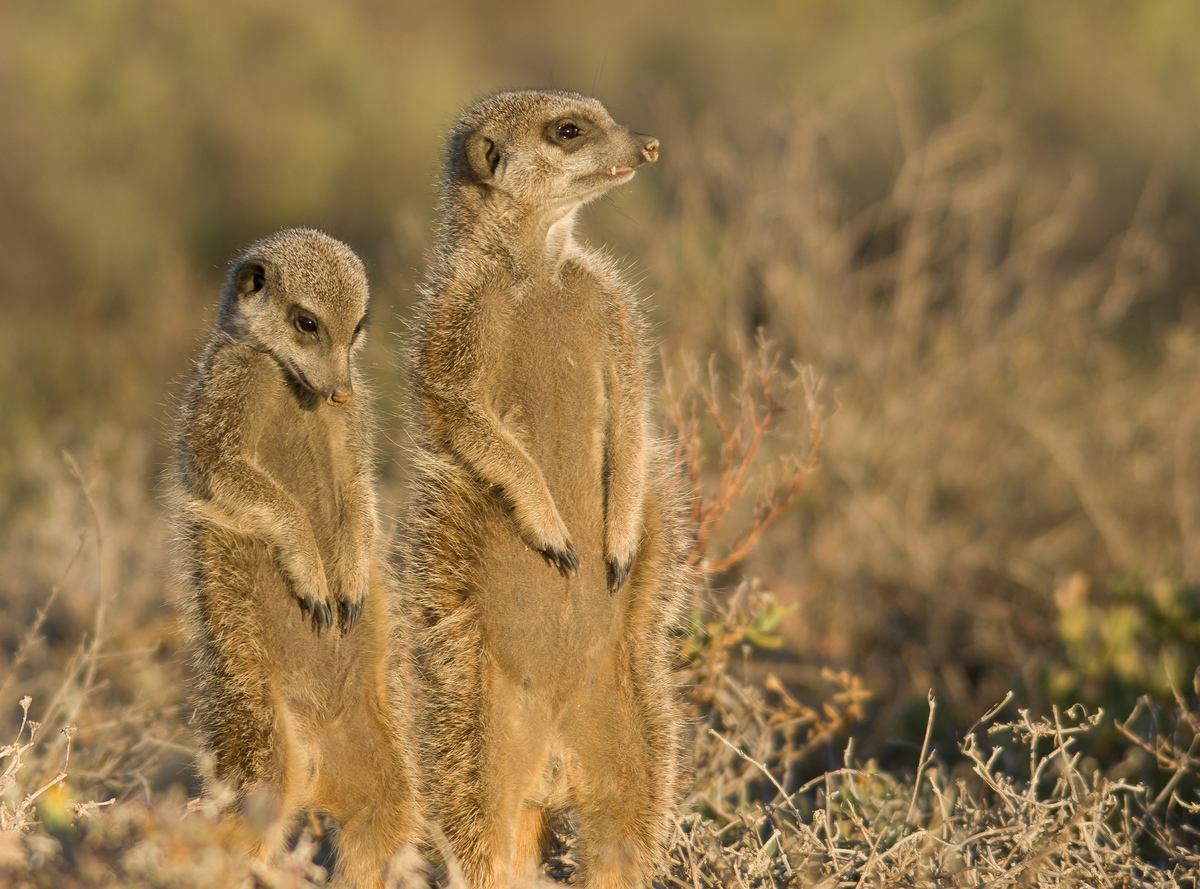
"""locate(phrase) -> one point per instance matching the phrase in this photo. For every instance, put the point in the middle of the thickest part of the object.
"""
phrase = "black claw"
(318, 614)
(322, 617)
(348, 614)
(617, 573)
(566, 561)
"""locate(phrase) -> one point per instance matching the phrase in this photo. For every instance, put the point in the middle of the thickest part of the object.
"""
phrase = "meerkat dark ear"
(250, 278)
(483, 155)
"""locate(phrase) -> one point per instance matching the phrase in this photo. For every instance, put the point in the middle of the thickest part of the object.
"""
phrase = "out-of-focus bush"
(1006, 325)
(976, 221)
(1129, 640)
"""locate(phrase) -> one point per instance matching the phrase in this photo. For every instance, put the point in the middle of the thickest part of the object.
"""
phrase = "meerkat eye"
(567, 131)
(306, 324)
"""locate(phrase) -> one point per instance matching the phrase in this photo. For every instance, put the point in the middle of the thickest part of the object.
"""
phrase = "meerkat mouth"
(617, 171)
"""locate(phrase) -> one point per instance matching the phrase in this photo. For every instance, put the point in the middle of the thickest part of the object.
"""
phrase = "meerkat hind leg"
(484, 801)
(621, 787)
(533, 840)
(271, 784)
(366, 784)
(253, 734)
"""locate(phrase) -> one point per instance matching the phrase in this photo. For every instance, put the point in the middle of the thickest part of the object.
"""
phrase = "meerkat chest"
(306, 452)
(552, 389)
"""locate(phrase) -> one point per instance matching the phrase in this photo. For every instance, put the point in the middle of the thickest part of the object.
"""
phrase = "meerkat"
(299, 691)
(545, 543)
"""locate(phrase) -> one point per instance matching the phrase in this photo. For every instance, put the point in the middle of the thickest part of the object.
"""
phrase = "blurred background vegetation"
(977, 221)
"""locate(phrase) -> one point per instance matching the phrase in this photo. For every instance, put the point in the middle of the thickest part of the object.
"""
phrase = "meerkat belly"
(253, 628)
(306, 464)
(303, 463)
(550, 630)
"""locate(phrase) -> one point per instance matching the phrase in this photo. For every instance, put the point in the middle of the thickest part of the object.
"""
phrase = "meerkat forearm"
(494, 455)
(625, 493)
(245, 496)
(625, 452)
(255, 505)
(355, 551)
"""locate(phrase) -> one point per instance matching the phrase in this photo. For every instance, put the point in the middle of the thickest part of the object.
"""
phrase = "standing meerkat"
(544, 551)
(299, 692)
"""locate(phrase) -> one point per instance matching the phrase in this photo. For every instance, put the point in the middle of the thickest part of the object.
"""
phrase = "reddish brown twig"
(740, 423)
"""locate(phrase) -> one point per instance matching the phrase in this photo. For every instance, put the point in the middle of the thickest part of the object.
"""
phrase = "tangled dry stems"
(1017, 804)
(1014, 806)
(978, 819)
(737, 421)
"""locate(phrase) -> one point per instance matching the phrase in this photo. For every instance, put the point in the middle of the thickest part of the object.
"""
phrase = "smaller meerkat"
(544, 546)
(290, 606)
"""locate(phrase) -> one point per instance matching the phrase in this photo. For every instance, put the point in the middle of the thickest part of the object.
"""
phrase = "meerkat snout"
(340, 390)
(650, 148)
(647, 147)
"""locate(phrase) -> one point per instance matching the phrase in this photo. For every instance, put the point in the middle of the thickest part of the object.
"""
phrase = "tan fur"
(300, 693)
(545, 550)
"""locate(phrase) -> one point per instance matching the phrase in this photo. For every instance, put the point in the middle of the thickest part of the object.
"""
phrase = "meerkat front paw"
(352, 595)
(349, 611)
(316, 604)
(618, 571)
(566, 560)
(555, 547)
(619, 556)
(319, 611)
(622, 539)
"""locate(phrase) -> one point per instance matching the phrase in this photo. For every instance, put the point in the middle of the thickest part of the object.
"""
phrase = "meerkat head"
(301, 296)
(548, 152)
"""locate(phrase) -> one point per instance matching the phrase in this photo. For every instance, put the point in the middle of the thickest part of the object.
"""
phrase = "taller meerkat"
(545, 547)
(298, 693)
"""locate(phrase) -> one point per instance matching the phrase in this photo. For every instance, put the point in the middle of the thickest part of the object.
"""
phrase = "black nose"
(650, 150)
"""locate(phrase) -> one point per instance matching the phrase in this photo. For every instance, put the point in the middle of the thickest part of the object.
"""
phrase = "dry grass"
(94, 788)
(1017, 804)
(966, 823)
